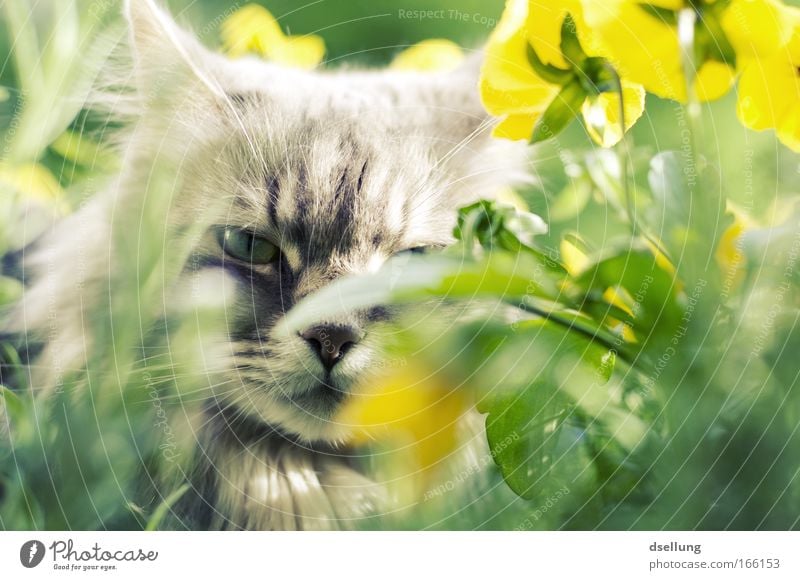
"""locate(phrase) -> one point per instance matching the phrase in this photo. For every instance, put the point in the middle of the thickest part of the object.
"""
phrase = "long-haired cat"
(302, 177)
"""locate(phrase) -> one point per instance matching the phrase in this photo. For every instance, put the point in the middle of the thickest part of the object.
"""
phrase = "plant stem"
(585, 330)
(687, 19)
(624, 155)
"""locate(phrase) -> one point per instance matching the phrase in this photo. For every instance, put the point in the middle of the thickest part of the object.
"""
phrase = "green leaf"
(11, 403)
(80, 150)
(711, 42)
(561, 111)
(495, 225)
(417, 278)
(485, 220)
(583, 325)
(604, 170)
(551, 74)
(10, 290)
(539, 389)
(570, 45)
(654, 291)
(165, 507)
(597, 76)
(689, 210)
(664, 15)
(571, 200)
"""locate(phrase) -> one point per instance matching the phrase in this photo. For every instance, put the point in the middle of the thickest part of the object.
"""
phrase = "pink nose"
(331, 342)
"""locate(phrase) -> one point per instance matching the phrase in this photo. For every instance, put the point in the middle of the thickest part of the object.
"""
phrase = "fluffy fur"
(341, 169)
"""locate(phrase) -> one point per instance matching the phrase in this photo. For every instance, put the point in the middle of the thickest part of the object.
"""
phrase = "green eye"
(420, 250)
(248, 247)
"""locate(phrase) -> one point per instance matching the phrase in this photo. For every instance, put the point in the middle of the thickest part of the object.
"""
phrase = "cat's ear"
(165, 56)
(458, 112)
(463, 134)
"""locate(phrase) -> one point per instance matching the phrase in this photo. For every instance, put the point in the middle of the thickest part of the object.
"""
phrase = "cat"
(303, 177)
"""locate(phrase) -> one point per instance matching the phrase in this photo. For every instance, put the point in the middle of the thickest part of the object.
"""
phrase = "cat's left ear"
(166, 58)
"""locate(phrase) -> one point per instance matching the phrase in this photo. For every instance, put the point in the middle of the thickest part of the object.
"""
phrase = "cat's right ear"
(166, 58)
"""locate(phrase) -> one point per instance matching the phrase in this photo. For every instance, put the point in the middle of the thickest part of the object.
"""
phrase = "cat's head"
(320, 174)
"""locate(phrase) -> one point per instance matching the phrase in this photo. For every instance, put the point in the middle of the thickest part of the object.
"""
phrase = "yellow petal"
(602, 113)
(298, 51)
(729, 255)
(508, 84)
(662, 261)
(413, 411)
(628, 335)
(544, 30)
(643, 48)
(619, 297)
(251, 29)
(757, 28)
(515, 127)
(713, 80)
(436, 54)
(769, 88)
(574, 260)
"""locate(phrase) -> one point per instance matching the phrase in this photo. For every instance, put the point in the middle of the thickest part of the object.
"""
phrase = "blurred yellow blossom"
(601, 113)
(769, 91)
(619, 297)
(435, 54)
(641, 38)
(662, 261)
(574, 258)
(729, 255)
(412, 413)
(253, 29)
(523, 92)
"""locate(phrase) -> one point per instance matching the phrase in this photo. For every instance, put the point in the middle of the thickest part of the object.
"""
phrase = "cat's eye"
(247, 246)
(419, 250)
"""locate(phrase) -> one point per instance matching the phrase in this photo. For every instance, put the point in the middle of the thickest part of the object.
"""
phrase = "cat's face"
(320, 175)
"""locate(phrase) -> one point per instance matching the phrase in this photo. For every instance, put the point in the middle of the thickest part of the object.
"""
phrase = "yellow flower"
(645, 48)
(729, 254)
(662, 261)
(757, 28)
(253, 29)
(601, 113)
(574, 258)
(621, 298)
(769, 92)
(435, 54)
(511, 88)
(412, 414)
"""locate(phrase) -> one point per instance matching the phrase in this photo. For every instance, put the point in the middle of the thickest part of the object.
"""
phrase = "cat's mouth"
(323, 399)
(296, 394)
(326, 394)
